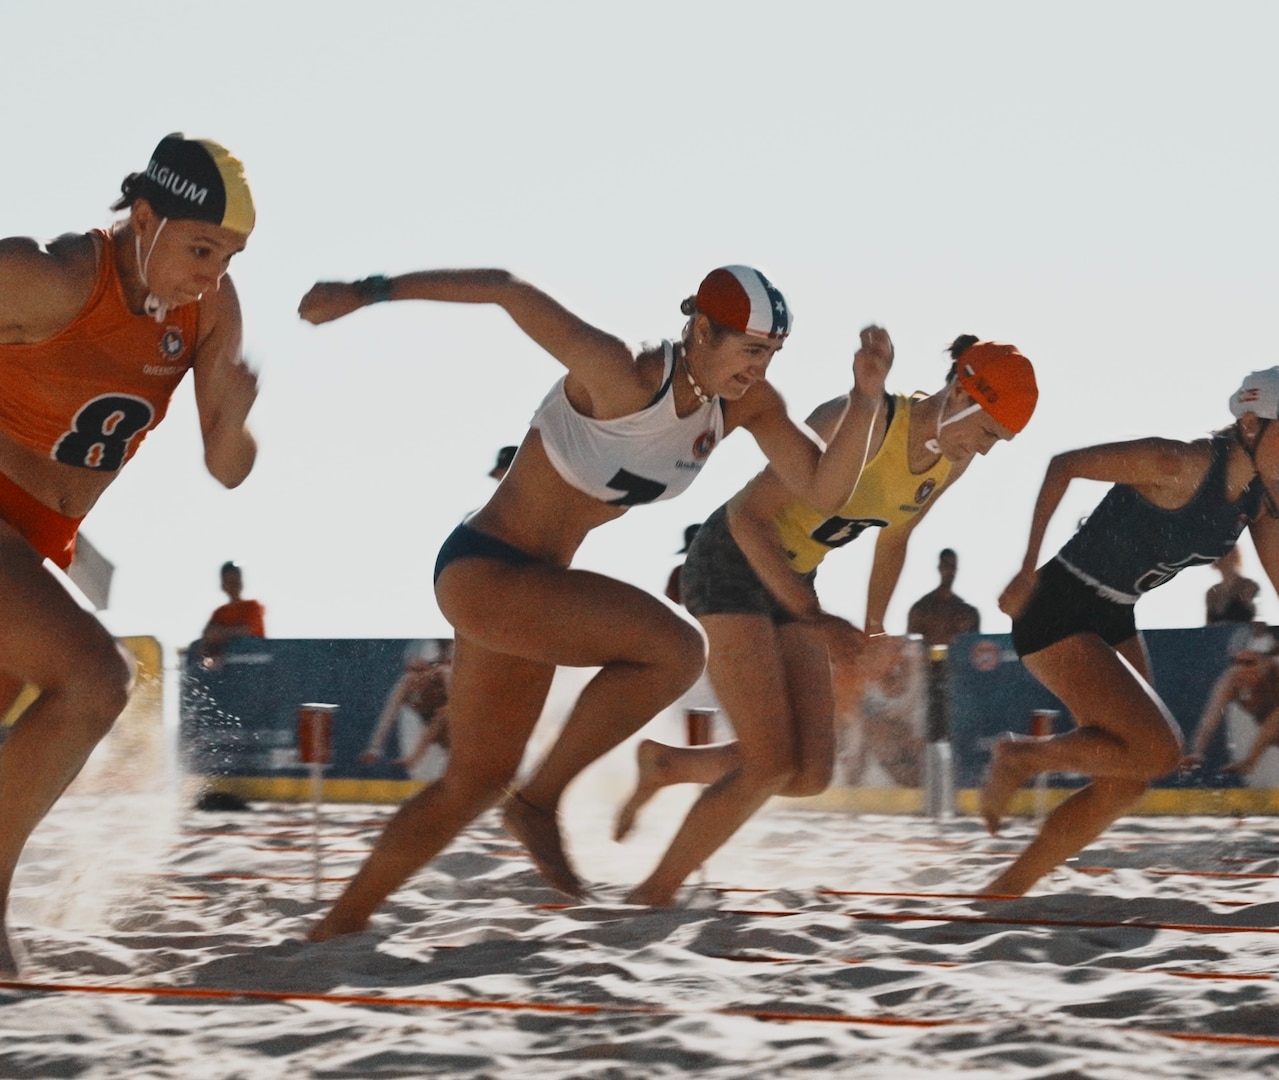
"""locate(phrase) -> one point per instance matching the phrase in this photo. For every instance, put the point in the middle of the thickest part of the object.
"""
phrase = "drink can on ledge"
(699, 723)
(315, 733)
(1042, 722)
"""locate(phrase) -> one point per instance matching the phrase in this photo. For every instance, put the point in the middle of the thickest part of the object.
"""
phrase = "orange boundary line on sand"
(765, 958)
(567, 1008)
(997, 920)
(571, 1008)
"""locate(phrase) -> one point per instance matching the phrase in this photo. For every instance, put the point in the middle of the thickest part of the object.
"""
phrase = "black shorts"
(1062, 606)
(717, 579)
(467, 543)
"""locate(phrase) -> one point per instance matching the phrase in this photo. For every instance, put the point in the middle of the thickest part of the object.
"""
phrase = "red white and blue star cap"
(743, 299)
(1259, 394)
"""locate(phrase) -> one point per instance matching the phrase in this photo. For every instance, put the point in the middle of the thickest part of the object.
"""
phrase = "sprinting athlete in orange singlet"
(96, 331)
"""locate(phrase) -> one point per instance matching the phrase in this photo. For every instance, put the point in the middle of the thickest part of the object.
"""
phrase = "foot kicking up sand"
(539, 832)
(652, 769)
(1014, 760)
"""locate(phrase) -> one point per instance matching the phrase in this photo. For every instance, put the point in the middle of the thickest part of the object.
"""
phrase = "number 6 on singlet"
(100, 433)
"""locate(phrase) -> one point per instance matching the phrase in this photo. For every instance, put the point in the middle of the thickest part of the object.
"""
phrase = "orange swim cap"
(1001, 381)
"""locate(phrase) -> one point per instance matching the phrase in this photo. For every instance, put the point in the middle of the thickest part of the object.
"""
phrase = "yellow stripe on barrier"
(1171, 802)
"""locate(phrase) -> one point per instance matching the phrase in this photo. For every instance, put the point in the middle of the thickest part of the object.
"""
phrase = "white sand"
(1162, 964)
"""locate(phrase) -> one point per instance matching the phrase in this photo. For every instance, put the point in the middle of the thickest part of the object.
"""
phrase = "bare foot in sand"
(539, 832)
(1014, 760)
(651, 758)
(329, 928)
(650, 897)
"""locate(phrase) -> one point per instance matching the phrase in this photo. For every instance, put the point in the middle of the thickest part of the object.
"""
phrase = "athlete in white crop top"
(649, 455)
(504, 580)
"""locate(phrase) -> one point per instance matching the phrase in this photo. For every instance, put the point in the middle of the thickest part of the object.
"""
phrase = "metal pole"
(315, 749)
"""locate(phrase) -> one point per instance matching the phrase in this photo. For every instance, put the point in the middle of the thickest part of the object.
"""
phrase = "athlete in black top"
(1174, 504)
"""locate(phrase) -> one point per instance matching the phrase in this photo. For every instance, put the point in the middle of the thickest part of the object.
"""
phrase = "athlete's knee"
(772, 771)
(811, 778)
(94, 685)
(1164, 754)
(681, 653)
(690, 650)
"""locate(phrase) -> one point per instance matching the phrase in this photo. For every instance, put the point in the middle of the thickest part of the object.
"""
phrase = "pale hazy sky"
(1094, 182)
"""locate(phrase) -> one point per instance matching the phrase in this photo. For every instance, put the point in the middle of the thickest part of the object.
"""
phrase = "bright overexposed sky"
(1094, 181)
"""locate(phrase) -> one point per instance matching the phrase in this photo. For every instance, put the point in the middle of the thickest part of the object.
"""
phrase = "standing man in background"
(941, 616)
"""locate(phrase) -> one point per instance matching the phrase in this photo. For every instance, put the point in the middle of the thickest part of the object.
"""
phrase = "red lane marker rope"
(565, 1008)
(572, 1008)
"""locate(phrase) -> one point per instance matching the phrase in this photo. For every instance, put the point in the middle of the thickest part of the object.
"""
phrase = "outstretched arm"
(1149, 465)
(390, 710)
(225, 389)
(597, 358)
(890, 557)
(1210, 718)
(823, 478)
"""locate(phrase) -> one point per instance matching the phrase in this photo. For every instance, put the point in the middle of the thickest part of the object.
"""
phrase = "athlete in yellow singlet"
(749, 579)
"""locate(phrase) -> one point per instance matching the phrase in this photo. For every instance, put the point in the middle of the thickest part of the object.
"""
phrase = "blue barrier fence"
(990, 691)
(239, 720)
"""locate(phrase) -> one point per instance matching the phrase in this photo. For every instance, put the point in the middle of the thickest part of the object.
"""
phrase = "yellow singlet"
(887, 494)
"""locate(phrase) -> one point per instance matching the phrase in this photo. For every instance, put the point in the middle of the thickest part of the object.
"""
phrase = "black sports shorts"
(717, 578)
(1062, 606)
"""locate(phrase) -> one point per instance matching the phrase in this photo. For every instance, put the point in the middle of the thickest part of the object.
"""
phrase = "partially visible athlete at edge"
(97, 330)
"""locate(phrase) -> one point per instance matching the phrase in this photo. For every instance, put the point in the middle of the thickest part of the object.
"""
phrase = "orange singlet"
(87, 396)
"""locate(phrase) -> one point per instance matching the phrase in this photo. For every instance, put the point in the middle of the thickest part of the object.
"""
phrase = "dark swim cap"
(198, 180)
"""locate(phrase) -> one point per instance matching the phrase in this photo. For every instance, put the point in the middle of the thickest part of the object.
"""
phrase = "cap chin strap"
(933, 445)
(152, 305)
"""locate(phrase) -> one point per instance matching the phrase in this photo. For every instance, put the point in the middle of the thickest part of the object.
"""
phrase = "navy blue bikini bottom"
(467, 543)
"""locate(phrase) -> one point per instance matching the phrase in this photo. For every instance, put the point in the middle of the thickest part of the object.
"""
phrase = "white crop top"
(641, 458)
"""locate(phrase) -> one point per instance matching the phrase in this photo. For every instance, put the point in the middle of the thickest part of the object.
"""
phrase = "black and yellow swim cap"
(200, 180)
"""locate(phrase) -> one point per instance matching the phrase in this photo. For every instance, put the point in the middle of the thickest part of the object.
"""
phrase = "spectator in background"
(672, 582)
(940, 616)
(504, 458)
(881, 714)
(1251, 685)
(423, 691)
(238, 618)
(1234, 598)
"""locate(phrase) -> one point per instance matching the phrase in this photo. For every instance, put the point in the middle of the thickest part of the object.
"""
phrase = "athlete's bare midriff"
(535, 510)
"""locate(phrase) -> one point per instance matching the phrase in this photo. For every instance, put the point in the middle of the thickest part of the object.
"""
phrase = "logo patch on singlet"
(171, 344)
(924, 490)
(703, 445)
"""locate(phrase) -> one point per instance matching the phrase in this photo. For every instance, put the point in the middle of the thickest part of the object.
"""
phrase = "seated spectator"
(422, 690)
(1234, 598)
(238, 618)
(1251, 685)
(880, 713)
